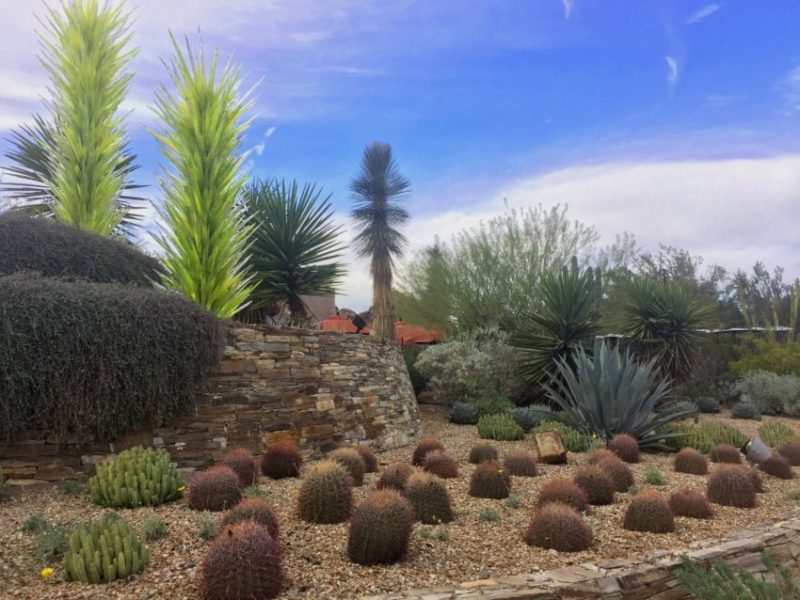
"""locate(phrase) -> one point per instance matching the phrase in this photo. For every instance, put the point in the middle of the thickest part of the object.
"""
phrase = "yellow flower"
(183, 487)
(46, 572)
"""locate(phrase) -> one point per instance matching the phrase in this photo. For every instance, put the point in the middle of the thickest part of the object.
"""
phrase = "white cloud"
(789, 87)
(704, 12)
(568, 4)
(673, 72)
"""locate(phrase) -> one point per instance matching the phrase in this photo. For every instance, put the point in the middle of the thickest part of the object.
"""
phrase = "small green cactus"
(104, 550)
(136, 477)
(499, 427)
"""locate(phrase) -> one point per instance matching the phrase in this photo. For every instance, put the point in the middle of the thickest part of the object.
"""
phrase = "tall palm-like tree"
(377, 189)
(86, 55)
(32, 167)
(205, 236)
(295, 245)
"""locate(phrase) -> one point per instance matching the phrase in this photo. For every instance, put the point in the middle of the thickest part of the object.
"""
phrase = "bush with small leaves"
(352, 461)
(490, 480)
(103, 551)
(136, 477)
(326, 494)
(649, 512)
(281, 460)
(625, 447)
(369, 458)
(558, 527)
(216, 488)
(380, 528)
(688, 503)
(255, 491)
(746, 410)
(69, 487)
(243, 563)
(599, 487)
(253, 510)
(564, 491)
(425, 445)
(512, 501)
(154, 528)
(689, 460)
(243, 464)
(618, 472)
(395, 477)
(707, 404)
(482, 451)
(440, 464)
(523, 417)
(519, 463)
(489, 515)
(499, 427)
(777, 466)
(730, 485)
(208, 527)
(601, 454)
(704, 436)
(464, 413)
(429, 498)
(654, 476)
(791, 452)
(776, 433)
(725, 453)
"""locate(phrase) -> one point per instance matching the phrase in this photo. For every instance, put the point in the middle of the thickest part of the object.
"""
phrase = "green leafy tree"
(205, 236)
(85, 54)
(295, 244)
(663, 319)
(424, 295)
(495, 269)
(565, 321)
(377, 190)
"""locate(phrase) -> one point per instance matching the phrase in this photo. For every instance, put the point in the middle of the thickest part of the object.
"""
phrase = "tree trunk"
(382, 300)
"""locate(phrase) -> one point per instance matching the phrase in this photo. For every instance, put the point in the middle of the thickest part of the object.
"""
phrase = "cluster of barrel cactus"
(104, 550)
(136, 477)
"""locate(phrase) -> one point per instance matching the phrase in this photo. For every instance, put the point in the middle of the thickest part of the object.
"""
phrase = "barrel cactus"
(558, 527)
(104, 550)
(369, 458)
(215, 489)
(429, 498)
(689, 460)
(649, 512)
(625, 446)
(425, 445)
(252, 510)
(440, 464)
(243, 464)
(688, 503)
(243, 563)
(136, 477)
(395, 477)
(520, 464)
(564, 491)
(351, 460)
(281, 460)
(482, 451)
(777, 466)
(791, 452)
(730, 485)
(490, 480)
(618, 472)
(599, 487)
(601, 454)
(326, 494)
(380, 528)
(725, 453)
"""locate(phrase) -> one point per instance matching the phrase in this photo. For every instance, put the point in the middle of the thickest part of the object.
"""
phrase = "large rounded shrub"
(54, 249)
(380, 528)
(499, 427)
(558, 527)
(326, 494)
(243, 563)
(92, 361)
(730, 485)
(215, 489)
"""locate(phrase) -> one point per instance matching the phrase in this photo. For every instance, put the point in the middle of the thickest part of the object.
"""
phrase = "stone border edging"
(650, 578)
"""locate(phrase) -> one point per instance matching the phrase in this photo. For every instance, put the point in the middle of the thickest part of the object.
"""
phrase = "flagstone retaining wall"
(651, 578)
(320, 389)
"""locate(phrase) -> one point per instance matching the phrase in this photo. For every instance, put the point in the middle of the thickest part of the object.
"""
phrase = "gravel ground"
(315, 555)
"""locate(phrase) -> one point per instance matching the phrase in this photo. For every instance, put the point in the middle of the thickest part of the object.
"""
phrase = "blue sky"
(677, 121)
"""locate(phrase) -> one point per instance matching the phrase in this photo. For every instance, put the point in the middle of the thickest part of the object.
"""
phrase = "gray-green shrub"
(772, 393)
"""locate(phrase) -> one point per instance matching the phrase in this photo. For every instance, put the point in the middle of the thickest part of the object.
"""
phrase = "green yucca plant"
(610, 393)
(85, 54)
(565, 322)
(295, 244)
(206, 237)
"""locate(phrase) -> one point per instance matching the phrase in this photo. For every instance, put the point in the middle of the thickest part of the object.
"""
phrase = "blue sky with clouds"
(677, 120)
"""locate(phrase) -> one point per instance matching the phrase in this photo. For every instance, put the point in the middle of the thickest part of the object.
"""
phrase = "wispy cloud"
(259, 148)
(568, 4)
(673, 71)
(789, 88)
(703, 13)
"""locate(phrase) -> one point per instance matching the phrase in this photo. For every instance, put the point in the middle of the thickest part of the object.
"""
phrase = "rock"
(550, 448)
